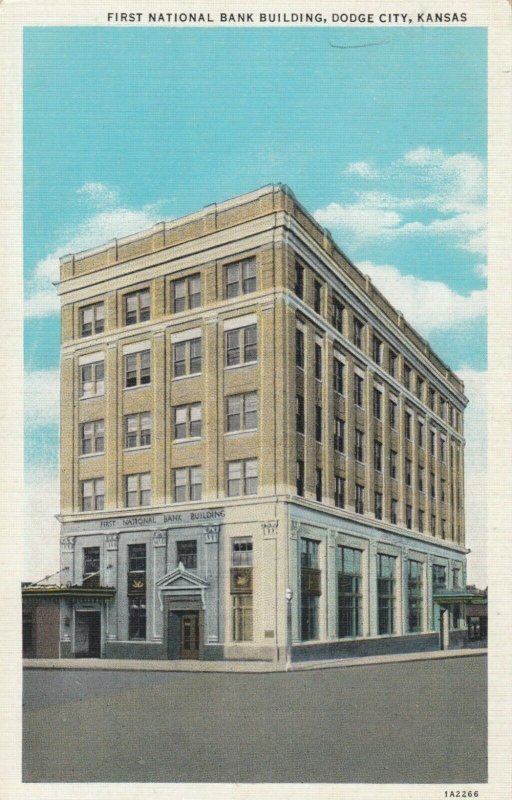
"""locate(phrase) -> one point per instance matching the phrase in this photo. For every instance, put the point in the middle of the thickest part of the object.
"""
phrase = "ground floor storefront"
(270, 579)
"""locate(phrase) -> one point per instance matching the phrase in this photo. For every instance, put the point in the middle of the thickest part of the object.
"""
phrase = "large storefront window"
(137, 591)
(241, 588)
(310, 588)
(349, 591)
(414, 596)
(386, 567)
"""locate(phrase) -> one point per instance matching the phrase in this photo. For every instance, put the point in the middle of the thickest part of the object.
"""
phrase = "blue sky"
(385, 145)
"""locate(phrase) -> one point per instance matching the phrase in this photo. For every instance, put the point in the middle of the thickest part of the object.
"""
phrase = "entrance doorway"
(88, 634)
(189, 635)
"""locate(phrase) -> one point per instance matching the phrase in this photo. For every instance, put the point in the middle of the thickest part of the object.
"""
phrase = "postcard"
(256, 401)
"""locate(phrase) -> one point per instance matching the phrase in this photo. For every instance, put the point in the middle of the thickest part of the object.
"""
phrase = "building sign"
(148, 521)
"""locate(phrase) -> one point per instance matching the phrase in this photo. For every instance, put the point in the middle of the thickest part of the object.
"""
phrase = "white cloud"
(428, 305)
(426, 181)
(41, 545)
(102, 225)
(363, 169)
(41, 394)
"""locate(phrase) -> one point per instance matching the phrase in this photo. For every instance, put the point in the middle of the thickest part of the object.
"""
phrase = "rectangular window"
(186, 293)
(456, 578)
(377, 350)
(240, 277)
(394, 512)
(137, 430)
(242, 412)
(241, 552)
(339, 435)
(407, 376)
(242, 617)
(318, 297)
(419, 387)
(443, 490)
(432, 443)
(431, 398)
(339, 491)
(299, 348)
(442, 447)
(137, 618)
(241, 346)
(92, 494)
(443, 529)
(186, 553)
(187, 357)
(299, 280)
(432, 485)
(188, 421)
(188, 484)
(318, 485)
(433, 524)
(378, 505)
(137, 489)
(337, 314)
(318, 423)
(136, 307)
(408, 472)
(359, 446)
(318, 361)
(408, 425)
(92, 379)
(136, 558)
(392, 414)
(377, 455)
(300, 420)
(438, 577)
(91, 562)
(92, 319)
(359, 499)
(358, 333)
(414, 596)
(420, 434)
(137, 369)
(393, 464)
(377, 404)
(92, 437)
(421, 520)
(310, 588)
(349, 592)
(392, 363)
(358, 390)
(300, 478)
(408, 516)
(386, 594)
(421, 479)
(338, 369)
(242, 477)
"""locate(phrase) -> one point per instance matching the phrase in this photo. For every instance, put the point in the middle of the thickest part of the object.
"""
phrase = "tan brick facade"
(270, 228)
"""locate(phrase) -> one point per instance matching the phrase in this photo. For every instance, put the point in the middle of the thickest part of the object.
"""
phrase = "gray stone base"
(457, 639)
(136, 650)
(65, 650)
(358, 648)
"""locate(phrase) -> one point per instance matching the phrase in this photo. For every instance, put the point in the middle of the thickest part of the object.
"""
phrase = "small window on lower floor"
(187, 553)
(136, 617)
(242, 618)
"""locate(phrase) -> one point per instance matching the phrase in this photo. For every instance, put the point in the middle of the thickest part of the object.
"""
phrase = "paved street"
(414, 722)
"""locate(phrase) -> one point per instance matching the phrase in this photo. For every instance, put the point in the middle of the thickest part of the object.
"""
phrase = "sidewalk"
(238, 666)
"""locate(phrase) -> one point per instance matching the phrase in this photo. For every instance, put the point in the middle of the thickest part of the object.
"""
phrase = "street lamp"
(289, 598)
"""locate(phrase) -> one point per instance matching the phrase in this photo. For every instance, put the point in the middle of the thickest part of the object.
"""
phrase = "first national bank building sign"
(210, 516)
(283, 18)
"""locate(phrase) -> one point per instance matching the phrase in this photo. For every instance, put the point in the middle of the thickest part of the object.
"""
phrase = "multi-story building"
(247, 423)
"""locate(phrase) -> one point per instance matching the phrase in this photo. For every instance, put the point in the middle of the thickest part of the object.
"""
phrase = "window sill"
(137, 449)
(238, 366)
(92, 396)
(139, 386)
(187, 440)
(241, 432)
(92, 455)
(189, 375)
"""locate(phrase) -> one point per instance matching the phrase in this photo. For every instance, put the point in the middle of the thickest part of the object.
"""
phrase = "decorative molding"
(67, 544)
(295, 528)
(112, 541)
(159, 538)
(270, 528)
(212, 534)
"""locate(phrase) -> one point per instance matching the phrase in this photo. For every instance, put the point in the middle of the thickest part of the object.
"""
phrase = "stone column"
(213, 410)
(332, 587)
(429, 618)
(112, 579)
(294, 571)
(212, 575)
(159, 417)
(373, 626)
(159, 566)
(405, 564)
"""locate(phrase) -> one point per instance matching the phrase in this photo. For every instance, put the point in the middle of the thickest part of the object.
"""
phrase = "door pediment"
(181, 582)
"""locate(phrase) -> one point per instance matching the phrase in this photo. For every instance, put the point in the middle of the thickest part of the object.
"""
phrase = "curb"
(242, 667)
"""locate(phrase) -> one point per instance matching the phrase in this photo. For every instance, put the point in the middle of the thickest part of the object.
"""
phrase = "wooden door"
(190, 635)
